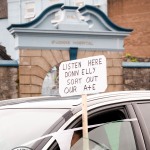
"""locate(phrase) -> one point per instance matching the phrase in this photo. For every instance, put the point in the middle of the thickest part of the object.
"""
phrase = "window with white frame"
(101, 4)
(96, 3)
(79, 3)
(55, 1)
(29, 10)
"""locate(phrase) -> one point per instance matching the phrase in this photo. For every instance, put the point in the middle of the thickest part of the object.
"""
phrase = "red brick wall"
(134, 14)
(3, 9)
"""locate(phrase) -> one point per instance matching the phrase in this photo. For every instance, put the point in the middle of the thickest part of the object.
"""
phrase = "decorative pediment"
(62, 27)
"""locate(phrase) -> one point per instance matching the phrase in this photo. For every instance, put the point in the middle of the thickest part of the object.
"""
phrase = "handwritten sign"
(83, 76)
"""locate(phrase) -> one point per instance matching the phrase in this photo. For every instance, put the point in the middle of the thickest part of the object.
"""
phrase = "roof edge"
(102, 14)
(44, 12)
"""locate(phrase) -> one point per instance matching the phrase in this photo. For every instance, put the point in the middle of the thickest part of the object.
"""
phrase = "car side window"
(110, 136)
(113, 134)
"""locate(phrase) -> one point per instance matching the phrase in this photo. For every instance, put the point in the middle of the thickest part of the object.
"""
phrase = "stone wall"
(35, 64)
(8, 82)
(136, 76)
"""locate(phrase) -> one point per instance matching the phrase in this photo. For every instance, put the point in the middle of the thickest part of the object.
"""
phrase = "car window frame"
(129, 112)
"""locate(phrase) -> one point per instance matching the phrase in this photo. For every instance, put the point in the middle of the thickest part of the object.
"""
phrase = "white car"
(116, 121)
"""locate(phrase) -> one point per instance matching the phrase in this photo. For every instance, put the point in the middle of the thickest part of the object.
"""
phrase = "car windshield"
(18, 126)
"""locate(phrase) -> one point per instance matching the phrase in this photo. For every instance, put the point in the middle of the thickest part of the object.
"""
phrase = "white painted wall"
(7, 40)
(16, 8)
(16, 13)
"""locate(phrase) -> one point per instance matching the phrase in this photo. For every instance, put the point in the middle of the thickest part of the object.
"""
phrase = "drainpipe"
(73, 51)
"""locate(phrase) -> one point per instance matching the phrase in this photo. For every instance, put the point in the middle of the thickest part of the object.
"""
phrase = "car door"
(119, 130)
(142, 110)
(115, 128)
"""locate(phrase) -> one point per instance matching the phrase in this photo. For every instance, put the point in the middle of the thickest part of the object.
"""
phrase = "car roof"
(71, 102)
(119, 97)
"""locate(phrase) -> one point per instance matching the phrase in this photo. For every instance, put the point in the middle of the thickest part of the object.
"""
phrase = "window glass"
(108, 130)
(145, 107)
(110, 136)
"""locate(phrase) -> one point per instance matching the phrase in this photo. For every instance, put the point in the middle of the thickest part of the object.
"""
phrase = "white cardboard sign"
(83, 76)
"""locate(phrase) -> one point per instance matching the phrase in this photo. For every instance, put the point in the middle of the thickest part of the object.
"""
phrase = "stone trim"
(136, 64)
(8, 63)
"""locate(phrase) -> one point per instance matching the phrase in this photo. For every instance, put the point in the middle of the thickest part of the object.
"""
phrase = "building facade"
(63, 33)
(127, 13)
(44, 43)
(23, 11)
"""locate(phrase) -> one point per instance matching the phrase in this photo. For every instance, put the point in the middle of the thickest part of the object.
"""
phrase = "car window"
(110, 136)
(114, 134)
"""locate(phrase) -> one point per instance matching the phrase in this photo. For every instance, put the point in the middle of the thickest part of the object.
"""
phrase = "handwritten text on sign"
(83, 76)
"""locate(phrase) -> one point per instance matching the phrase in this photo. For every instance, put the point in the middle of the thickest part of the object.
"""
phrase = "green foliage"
(128, 55)
(130, 58)
(133, 59)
